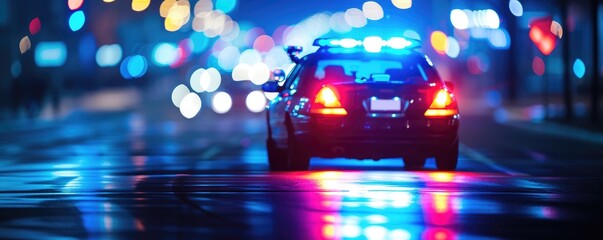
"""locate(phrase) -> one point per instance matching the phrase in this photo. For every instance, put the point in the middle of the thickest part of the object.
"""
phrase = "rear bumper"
(424, 137)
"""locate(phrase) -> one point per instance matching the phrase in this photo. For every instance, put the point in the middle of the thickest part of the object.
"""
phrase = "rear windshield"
(348, 70)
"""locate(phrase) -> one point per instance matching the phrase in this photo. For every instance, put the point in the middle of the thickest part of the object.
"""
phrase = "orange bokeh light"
(75, 4)
(439, 42)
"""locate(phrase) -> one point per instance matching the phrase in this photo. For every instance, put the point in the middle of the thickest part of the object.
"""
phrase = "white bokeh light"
(255, 101)
(221, 102)
(195, 80)
(190, 105)
(259, 73)
(459, 19)
(210, 80)
(250, 56)
(241, 72)
(355, 17)
(178, 93)
(372, 10)
(516, 8)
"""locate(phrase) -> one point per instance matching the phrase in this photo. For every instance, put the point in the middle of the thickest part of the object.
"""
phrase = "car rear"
(376, 106)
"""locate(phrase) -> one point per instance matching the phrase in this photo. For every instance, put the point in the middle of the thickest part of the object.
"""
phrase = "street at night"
(133, 174)
(183, 119)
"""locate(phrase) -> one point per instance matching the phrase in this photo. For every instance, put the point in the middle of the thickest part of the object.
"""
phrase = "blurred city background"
(519, 59)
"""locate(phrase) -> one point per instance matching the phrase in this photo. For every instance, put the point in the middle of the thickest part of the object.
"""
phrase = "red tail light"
(327, 102)
(443, 105)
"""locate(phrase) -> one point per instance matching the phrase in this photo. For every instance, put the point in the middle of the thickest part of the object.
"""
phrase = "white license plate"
(385, 105)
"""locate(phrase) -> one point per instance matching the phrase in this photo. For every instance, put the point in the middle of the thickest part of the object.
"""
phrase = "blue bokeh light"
(137, 66)
(123, 68)
(200, 42)
(579, 68)
(77, 20)
(226, 5)
(50, 54)
(164, 54)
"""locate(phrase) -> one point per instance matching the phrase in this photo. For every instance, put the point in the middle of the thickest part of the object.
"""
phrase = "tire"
(277, 158)
(414, 162)
(447, 160)
(298, 159)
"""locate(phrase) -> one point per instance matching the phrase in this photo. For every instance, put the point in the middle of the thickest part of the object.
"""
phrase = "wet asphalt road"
(149, 173)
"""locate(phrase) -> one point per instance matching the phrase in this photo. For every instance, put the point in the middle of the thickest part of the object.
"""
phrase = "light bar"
(370, 44)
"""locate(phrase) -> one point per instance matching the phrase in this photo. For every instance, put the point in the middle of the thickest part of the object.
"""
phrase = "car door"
(281, 105)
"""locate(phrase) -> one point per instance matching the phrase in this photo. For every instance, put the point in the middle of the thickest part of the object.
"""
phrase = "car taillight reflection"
(443, 105)
(345, 207)
(327, 103)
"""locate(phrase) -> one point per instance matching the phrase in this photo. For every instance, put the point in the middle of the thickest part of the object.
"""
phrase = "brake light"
(327, 103)
(442, 105)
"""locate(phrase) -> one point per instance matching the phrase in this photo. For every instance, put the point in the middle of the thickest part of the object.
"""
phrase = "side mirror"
(450, 85)
(271, 86)
(278, 75)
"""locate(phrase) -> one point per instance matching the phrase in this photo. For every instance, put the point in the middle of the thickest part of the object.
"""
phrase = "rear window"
(347, 70)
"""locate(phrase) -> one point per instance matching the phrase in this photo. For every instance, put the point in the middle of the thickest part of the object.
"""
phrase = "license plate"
(385, 105)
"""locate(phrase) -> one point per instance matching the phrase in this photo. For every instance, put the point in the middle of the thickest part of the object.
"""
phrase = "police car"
(372, 98)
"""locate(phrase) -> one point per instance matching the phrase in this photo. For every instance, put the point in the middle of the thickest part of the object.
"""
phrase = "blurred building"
(488, 47)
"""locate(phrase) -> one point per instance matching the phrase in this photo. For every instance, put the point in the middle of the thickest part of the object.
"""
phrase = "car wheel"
(448, 159)
(277, 157)
(414, 162)
(299, 160)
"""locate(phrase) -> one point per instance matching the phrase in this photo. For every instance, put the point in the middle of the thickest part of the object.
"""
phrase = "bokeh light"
(255, 101)
(491, 19)
(499, 39)
(50, 54)
(133, 67)
(241, 72)
(250, 56)
(109, 55)
(452, 48)
(355, 18)
(338, 24)
(178, 94)
(459, 19)
(538, 66)
(439, 42)
(77, 20)
(199, 42)
(221, 102)
(259, 73)
(190, 105)
(579, 68)
(263, 43)
(35, 26)
(75, 4)
(226, 5)
(16, 69)
(402, 4)
(24, 45)
(516, 8)
(372, 10)
(409, 33)
(176, 15)
(140, 5)
(195, 80)
(164, 54)
(228, 58)
(210, 80)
